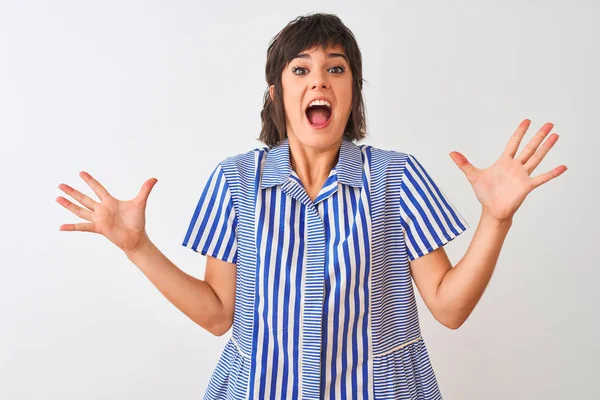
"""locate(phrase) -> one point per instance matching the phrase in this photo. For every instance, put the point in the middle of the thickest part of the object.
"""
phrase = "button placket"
(312, 291)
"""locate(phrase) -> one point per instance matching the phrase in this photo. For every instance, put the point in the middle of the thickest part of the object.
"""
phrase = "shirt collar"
(277, 168)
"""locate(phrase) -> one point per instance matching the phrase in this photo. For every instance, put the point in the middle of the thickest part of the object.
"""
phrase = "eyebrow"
(329, 55)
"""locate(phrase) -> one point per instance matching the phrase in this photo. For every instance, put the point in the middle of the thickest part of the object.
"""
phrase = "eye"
(338, 70)
(294, 69)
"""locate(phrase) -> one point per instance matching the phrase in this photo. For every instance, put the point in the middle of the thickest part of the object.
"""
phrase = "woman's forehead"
(331, 52)
(330, 47)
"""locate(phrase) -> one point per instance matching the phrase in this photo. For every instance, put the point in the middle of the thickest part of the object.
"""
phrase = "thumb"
(142, 196)
(466, 167)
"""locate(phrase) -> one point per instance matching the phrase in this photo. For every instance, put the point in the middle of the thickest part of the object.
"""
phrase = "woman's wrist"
(144, 244)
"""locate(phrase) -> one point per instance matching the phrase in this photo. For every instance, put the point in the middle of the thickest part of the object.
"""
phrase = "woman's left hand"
(502, 187)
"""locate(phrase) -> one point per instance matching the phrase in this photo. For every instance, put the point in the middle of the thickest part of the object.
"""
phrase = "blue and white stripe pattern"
(324, 298)
(427, 216)
(214, 221)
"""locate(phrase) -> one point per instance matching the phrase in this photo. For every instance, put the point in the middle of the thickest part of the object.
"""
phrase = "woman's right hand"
(121, 222)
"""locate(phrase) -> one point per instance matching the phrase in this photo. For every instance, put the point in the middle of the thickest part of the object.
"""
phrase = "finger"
(467, 168)
(142, 196)
(534, 143)
(541, 152)
(82, 227)
(74, 208)
(543, 178)
(95, 185)
(515, 140)
(80, 197)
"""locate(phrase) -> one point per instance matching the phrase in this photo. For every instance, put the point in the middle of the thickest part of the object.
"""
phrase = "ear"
(271, 92)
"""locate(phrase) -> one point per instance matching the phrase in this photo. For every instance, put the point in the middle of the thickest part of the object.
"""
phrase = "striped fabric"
(324, 298)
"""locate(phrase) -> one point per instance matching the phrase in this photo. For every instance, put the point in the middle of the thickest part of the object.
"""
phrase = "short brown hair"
(300, 34)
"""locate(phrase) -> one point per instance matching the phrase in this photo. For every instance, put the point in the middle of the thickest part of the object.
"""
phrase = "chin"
(319, 138)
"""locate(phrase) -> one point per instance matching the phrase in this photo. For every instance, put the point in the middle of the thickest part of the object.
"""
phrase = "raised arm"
(452, 293)
(208, 303)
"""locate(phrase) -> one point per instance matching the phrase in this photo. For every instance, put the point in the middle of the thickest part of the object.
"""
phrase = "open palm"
(502, 187)
(121, 222)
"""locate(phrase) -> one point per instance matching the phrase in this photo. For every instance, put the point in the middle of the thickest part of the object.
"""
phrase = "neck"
(313, 164)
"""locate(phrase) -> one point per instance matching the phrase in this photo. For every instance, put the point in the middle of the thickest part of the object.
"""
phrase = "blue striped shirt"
(324, 303)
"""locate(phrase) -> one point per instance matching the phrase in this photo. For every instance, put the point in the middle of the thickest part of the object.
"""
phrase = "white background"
(129, 90)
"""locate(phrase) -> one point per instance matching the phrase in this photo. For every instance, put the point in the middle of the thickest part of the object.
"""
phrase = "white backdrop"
(129, 90)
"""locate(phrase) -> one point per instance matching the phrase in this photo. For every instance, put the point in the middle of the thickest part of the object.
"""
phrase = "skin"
(450, 293)
(313, 153)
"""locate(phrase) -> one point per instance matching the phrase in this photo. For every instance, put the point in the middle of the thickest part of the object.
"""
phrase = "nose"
(320, 80)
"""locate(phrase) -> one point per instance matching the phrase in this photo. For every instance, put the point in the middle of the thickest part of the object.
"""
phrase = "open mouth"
(319, 115)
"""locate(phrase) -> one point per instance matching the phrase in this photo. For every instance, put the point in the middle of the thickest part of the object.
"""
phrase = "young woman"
(312, 243)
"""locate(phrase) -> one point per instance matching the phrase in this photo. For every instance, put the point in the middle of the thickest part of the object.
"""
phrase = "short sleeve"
(429, 218)
(213, 228)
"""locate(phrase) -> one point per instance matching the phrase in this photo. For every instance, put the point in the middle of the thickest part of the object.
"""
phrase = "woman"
(312, 242)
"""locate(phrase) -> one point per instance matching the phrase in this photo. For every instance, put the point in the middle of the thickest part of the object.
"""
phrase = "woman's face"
(317, 73)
